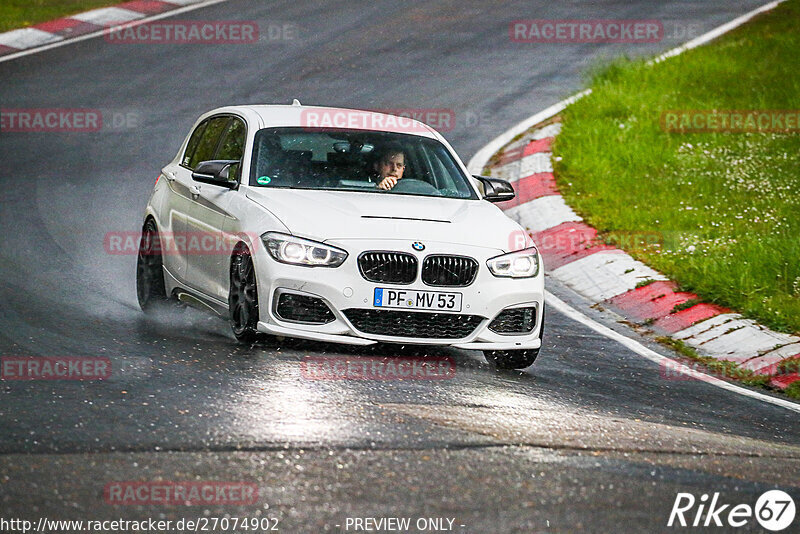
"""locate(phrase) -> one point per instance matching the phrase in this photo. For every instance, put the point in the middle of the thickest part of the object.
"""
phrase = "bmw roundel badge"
(418, 245)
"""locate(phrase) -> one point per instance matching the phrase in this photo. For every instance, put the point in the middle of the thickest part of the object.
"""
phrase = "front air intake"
(514, 321)
(413, 324)
(303, 309)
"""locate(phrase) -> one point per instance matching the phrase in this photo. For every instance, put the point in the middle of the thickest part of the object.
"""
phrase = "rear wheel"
(514, 359)
(243, 297)
(150, 289)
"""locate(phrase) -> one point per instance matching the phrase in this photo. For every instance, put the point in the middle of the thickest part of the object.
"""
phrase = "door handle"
(195, 190)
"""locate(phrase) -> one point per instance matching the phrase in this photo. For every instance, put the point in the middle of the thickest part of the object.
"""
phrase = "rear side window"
(209, 139)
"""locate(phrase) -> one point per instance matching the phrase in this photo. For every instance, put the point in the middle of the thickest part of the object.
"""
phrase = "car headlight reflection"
(519, 264)
(298, 251)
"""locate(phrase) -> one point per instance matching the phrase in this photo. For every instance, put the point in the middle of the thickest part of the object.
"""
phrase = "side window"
(192, 144)
(232, 146)
(208, 141)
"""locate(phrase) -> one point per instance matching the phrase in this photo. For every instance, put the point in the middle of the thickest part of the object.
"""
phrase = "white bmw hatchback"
(343, 226)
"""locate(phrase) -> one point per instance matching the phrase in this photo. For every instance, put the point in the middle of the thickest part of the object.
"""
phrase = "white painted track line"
(478, 161)
(655, 357)
(716, 32)
(98, 33)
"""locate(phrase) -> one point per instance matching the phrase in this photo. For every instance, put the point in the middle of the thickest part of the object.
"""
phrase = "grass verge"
(726, 205)
(21, 13)
(730, 370)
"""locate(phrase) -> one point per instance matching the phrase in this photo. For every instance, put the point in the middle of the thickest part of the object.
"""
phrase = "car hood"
(339, 215)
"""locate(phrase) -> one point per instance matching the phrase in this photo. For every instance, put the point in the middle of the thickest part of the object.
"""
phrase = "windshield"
(356, 160)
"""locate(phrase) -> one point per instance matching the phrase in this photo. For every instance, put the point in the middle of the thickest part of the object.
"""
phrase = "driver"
(389, 167)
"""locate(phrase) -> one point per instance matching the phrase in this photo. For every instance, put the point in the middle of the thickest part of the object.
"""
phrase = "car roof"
(272, 116)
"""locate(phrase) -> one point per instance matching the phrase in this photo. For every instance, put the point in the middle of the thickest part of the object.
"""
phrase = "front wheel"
(514, 359)
(243, 297)
(150, 288)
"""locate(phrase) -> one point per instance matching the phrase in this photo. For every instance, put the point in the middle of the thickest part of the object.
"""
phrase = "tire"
(150, 289)
(514, 359)
(243, 297)
(511, 359)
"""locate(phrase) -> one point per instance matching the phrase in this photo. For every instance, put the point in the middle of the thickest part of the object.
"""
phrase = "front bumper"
(343, 288)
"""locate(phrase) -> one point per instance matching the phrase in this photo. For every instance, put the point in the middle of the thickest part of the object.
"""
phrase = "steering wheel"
(412, 185)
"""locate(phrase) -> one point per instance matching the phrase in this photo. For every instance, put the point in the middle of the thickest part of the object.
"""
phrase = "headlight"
(298, 251)
(519, 264)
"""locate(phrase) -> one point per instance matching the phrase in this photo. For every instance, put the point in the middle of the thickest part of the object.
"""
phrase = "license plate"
(416, 300)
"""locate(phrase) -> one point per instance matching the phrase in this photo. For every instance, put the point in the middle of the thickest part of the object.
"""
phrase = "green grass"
(727, 205)
(20, 13)
(793, 390)
(685, 305)
(717, 368)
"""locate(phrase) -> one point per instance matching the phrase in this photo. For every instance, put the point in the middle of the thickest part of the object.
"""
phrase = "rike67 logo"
(774, 511)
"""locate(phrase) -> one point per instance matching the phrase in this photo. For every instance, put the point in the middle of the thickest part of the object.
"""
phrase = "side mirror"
(216, 172)
(495, 189)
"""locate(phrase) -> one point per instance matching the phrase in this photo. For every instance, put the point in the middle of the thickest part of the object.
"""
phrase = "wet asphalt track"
(591, 438)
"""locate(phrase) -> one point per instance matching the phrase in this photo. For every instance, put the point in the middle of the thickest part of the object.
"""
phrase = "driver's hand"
(387, 183)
